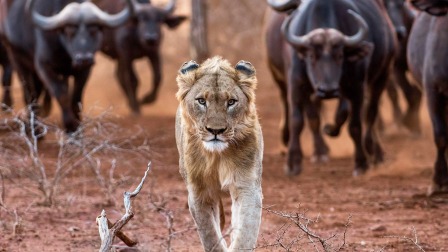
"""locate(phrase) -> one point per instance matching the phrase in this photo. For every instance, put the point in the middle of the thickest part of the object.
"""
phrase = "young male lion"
(220, 146)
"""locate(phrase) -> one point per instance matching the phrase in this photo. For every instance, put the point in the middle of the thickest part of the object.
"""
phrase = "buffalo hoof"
(322, 159)
(436, 189)
(332, 130)
(358, 171)
(412, 123)
(374, 150)
(7, 103)
(135, 111)
(378, 156)
(148, 99)
(293, 170)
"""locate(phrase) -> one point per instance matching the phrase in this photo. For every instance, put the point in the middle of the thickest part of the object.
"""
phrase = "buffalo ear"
(359, 51)
(301, 52)
(186, 78)
(435, 8)
(174, 21)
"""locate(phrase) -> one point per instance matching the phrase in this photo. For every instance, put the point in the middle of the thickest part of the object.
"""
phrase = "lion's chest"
(213, 175)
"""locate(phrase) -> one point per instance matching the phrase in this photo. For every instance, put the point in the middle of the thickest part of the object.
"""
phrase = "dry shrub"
(298, 234)
(43, 153)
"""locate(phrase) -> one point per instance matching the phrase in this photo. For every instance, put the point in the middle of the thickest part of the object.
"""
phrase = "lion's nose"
(216, 131)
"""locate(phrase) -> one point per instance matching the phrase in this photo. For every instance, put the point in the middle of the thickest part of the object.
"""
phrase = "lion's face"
(218, 102)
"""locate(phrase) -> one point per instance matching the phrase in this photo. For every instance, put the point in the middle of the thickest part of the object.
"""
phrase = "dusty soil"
(385, 205)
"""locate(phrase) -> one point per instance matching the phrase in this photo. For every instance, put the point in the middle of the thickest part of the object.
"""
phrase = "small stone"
(379, 228)
(73, 229)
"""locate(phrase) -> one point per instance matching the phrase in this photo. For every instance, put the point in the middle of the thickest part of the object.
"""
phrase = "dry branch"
(414, 241)
(303, 223)
(107, 235)
(96, 140)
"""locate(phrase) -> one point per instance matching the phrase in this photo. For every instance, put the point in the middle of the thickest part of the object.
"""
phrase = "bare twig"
(318, 242)
(413, 241)
(3, 190)
(107, 235)
(96, 139)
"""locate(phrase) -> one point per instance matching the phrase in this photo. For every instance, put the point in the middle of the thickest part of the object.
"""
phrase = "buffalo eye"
(231, 102)
(70, 30)
(201, 101)
(93, 29)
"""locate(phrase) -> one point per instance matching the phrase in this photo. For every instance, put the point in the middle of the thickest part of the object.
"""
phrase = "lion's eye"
(201, 101)
(231, 102)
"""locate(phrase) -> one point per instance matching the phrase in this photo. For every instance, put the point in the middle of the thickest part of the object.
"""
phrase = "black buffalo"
(427, 58)
(402, 18)
(140, 37)
(330, 49)
(7, 77)
(50, 41)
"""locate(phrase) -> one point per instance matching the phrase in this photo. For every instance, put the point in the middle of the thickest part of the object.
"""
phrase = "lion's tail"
(222, 217)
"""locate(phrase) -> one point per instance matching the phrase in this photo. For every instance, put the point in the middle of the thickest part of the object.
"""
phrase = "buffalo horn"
(169, 8)
(72, 12)
(362, 32)
(282, 6)
(297, 41)
(112, 20)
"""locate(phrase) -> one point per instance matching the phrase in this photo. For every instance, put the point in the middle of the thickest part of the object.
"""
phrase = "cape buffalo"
(402, 18)
(427, 58)
(6, 78)
(330, 49)
(49, 41)
(140, 37)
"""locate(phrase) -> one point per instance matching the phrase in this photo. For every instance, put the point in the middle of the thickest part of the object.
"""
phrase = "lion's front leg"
(246, 218)
(206, 216)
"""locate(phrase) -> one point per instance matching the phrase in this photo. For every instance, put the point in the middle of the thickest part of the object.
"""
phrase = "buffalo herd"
(349, 50)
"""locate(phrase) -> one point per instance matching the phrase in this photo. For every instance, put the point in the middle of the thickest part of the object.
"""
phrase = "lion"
(220, 146)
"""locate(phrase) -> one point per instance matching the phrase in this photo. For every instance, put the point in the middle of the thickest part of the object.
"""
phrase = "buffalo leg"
(320, 147)
(437, 109)
(58, 87)
(413, 96)
(80, 83)
(284, 97)
(371, 141)
(355, 97)
(46, 106)
(128, 81)
(151, 97)
(6, 81)
(393, 97)
(340, 117)
(296, 121)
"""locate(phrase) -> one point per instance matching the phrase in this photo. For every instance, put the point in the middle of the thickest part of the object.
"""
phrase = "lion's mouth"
(215, 145)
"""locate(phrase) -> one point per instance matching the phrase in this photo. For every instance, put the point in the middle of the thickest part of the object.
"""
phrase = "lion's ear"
(245, 69)
(246, 77)
(186, 78)
(188, 66)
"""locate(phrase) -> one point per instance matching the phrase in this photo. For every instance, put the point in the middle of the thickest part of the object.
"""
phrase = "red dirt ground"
(384, 204)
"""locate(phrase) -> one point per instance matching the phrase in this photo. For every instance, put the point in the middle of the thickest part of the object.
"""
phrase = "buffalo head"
(398, 10)
(79, 26)
(324, 51)
(149, 20)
